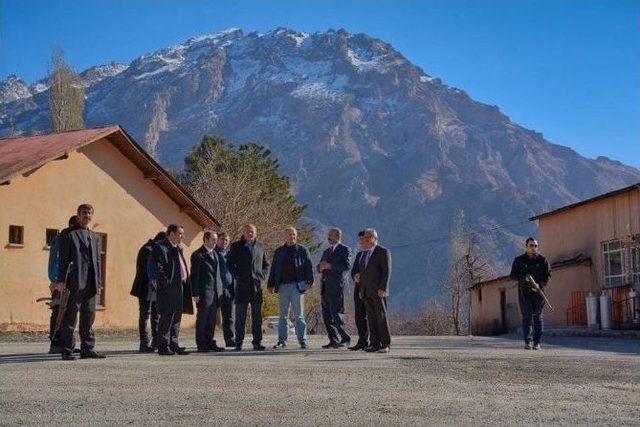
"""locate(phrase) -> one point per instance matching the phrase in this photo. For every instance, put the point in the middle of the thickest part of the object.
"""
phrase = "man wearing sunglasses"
(531, 301)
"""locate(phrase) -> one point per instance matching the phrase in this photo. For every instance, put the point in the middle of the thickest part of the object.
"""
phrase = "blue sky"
(568, 69)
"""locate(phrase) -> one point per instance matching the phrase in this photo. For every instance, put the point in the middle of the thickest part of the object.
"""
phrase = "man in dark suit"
(248, 263)
(373, 275)
(227, 309)
(206, 288)
(80, 246)
(334, 267)
(360, 313)
(173, 290)
(146, 305)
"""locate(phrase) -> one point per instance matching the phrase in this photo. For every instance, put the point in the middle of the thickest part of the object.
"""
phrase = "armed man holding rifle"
(531, 271)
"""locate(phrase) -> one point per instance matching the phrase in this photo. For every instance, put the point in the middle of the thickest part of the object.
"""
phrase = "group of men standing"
(222, 276)
(230, 278)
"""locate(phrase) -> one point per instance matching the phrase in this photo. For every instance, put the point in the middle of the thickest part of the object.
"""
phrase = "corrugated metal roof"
(19, 155)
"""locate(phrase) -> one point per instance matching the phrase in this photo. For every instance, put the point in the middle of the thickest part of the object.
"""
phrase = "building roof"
(22, 154)
(635, 186)
(490, 281)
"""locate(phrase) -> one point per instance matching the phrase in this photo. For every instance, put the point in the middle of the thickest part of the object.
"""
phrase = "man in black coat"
(146, 305)
(173, 289)
(531, 302)
(248, 263)
(227, 309)
(334, 267)
(360, 313)
(206, 288)
(80, 246)
(374, 271)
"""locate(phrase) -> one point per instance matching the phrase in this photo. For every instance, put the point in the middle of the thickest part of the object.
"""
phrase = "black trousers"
(256, 318)
(206, 321)
(148, 310)
(360, 313)
(378, 322)
(83, 302)
(55, 340)
(227, 312)
(333, 315)
(169, 316)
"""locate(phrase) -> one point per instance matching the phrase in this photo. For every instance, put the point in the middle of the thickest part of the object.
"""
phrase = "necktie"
(183, 268)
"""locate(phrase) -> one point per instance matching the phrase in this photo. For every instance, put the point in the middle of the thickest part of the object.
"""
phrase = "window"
(635, 263)
(49, 235)
(16, 235)
(103, 265)
(613, 263)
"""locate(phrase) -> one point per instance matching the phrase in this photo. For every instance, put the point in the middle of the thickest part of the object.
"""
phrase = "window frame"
(613, 280)
(47, 241)
(19, 229)
(101, 296)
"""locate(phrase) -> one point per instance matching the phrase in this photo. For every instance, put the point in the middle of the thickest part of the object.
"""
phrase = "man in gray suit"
(373, 276)
(334, 267)
(80, 254)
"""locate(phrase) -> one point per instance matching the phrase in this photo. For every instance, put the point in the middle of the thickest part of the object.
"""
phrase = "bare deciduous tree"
(66, 95)
(468, 266)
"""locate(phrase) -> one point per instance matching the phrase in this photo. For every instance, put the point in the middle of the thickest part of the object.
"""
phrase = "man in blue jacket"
(291, 275)
(334, 267)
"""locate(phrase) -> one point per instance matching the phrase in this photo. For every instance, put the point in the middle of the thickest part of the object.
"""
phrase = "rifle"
(536, 288)
(64, 299)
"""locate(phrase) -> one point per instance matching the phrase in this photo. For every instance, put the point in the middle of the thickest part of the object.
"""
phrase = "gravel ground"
(424, 380)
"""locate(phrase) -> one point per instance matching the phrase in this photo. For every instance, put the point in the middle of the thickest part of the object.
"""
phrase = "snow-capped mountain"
(368, 139)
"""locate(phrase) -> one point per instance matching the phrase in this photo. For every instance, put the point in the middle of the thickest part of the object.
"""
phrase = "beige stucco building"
(592, 245)
(43, 180)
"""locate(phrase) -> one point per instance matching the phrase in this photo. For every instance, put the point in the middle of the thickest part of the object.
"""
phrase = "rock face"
(367, 138)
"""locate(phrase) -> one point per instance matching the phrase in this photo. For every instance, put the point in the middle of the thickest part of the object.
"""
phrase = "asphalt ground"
(423, 380)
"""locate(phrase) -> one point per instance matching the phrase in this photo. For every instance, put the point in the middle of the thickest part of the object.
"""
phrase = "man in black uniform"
(531, 302)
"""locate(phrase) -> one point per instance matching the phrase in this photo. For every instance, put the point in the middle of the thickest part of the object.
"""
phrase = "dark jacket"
(166, 268)
(227, 278)
(248, 268)
(302, 266)
(375, 276)
(71, 246)
(334, 279)
(536, 266)
(205, 275)
(140, 287)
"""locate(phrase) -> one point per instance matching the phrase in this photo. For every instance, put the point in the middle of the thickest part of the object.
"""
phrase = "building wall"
(564, 281)
(584, 228)
(128, 208)
(486, 318)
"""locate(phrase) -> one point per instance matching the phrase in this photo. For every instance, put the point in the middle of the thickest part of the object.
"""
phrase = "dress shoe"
(344, 343)
(259, 347)
(372, 349)
(238, 347)
(359, 346)
(383, 350)
(68, 356)
(537, 346)
(331, 345)
(214, 347)
(154, 345)
(76, 350)
(230, 344)
(165, 352)
(54, 349)
(91, 354)
(204, 350)
(182, 351)
(280, 345)
(303, 345)
(527, 346)
(146, 349)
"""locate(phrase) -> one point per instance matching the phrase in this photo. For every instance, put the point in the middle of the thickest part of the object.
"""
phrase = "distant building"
(592, 245)
(43, 180)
